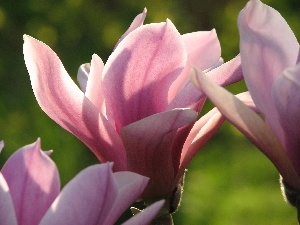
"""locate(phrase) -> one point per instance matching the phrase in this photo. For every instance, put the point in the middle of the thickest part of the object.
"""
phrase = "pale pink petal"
(95, 196)
(137, 22)
(138, 74)
(203, 51)
(149, 143)
(82, 75)
(217, 64)
(250, 124)
(267, 46)
(66, 104)
(7, 211)
(286, 95)
(33, 180)
(94, 83)
(201, 132)
(188, 97)
(85, 199)
(203, 48)
(130, 186)
(228, 73)
(204, 129)
(147, 215)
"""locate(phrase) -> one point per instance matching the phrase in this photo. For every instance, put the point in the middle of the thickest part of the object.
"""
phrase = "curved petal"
(85, 199)
(203, 48)
(227, 73)
(138, 74)
(130, 186)
(7, 211)
(188, 97)
(33, 180)
(203, 51)
(95, 196)
(94, 83)
(286, 95)
(250, 124)
(200, 133)
(149, 144)
(267, 46)
(65, 103)
(147, 215)
(203, 130)
(137, 22)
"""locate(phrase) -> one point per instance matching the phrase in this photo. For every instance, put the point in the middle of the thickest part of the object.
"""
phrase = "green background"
(228, 182)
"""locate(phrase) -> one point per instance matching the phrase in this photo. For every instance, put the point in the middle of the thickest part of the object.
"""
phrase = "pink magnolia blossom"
(139, 109)
(30, 192)
(270, 63)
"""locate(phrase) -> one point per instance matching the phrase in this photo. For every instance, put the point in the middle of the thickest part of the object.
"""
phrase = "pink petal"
(94, 83)
(250, 124)
(203, 50)
(228, 73)
(138, 74)
(7, 211)
(147, 215)
(201, 132)
(149, 144)
(33, 180)
(94, 197)
(286, 95)
(267, 46)
(85, 199)
(190, 97)
(130, 187)
(65, 103)
(136, 23)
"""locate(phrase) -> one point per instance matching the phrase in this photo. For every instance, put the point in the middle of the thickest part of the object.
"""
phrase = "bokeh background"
(229, 182)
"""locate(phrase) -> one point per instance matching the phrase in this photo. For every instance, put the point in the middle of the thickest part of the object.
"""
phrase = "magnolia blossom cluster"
(139, 110)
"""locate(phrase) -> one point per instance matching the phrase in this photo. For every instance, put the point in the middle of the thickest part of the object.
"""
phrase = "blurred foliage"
(229, 182)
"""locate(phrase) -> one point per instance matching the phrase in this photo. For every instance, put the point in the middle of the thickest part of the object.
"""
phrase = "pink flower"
(30, 192)
(139, 109)
(270, 62)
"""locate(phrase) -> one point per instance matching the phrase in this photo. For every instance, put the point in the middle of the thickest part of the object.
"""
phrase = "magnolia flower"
(139, 109)
(270, 63)
(30, 192)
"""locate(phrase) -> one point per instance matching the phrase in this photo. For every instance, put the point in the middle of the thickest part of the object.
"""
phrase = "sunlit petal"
(138, 74)
(250, 124)
(137, 22)
(7, 211)
(286, 93)
(66, 104)
(267, 46)
(33, 181)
